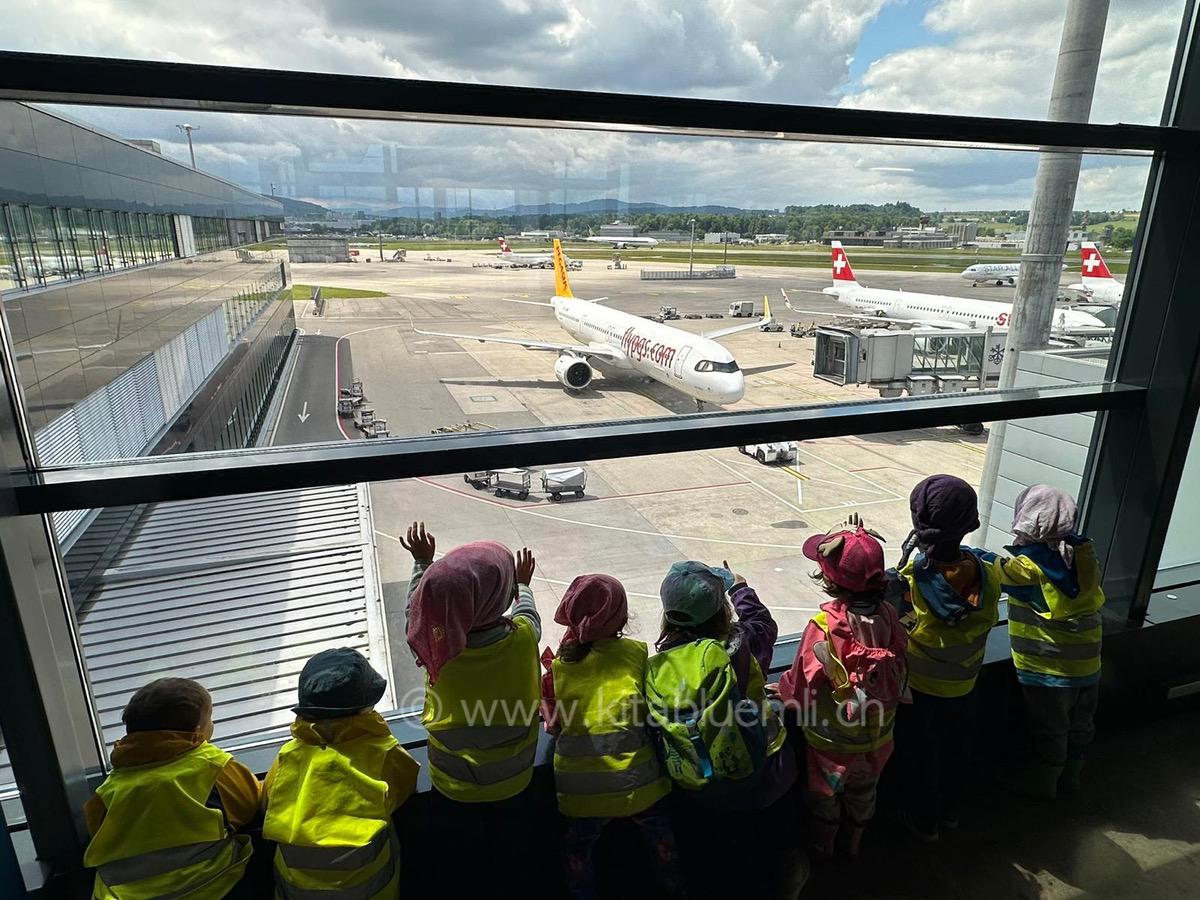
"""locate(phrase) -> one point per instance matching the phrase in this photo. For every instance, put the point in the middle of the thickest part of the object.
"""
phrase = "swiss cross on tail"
(841, 265)
(504, 248)
(1091, 263)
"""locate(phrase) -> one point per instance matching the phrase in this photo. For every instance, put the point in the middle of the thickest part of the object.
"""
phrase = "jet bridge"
(918, 361)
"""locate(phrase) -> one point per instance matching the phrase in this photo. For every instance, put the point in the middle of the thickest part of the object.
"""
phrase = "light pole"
(691, 247)
(381, 242)
(188, 129)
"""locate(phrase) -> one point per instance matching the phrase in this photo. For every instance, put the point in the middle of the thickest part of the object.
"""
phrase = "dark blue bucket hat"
(338, 683)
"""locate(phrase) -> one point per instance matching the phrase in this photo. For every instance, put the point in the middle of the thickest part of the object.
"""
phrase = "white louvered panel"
(172, 370)
(65, 522)
(149, 395)
(127, 415)
(195, 364)
(97, 429)
(58, 443)
(214, 340)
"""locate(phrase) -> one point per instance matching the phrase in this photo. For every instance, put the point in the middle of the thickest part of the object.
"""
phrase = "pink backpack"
(875, 673)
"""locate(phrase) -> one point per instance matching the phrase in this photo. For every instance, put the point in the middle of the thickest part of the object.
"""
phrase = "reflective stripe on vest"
(1019, 612)
(611, 782)
(958, 663)
(1032, 647)
(481, 737)
(160, 862)
(483, 774)
(327, 858)
(339, 858)
(628, 741)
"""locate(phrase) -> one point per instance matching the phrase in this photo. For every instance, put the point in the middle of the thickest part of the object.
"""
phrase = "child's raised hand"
(525, 566)
(737, 579)
(417, 541)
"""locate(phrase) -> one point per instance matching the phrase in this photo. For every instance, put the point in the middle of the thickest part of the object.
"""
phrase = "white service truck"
(742, 309)
(778, 452)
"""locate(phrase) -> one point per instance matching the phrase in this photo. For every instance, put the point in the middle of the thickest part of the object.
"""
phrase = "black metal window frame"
(1146, 409)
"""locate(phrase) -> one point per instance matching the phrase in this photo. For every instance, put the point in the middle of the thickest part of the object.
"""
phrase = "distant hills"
(303, 209)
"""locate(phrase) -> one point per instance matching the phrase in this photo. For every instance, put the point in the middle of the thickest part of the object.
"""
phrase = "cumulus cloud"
(977, 56)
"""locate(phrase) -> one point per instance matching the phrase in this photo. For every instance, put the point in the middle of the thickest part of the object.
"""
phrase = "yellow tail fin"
(562, 286)
(766, 307)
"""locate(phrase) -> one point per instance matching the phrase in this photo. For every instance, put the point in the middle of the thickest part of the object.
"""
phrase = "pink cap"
(855, 565)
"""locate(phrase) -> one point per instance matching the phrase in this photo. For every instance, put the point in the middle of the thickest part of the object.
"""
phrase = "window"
(661, 481)
(709, 365)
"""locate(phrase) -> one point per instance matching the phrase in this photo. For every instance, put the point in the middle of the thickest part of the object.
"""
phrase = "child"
(846, 683)
(482, 694)
(163, 822)
(951, 596)
(604, 764)
(331, 792)
(704, 657)
(1053, 585)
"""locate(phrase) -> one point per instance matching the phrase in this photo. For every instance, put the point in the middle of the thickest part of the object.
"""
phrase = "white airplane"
(986, 273)
(693, 364)
(622, 243)
(531, 260)
(1097, 283)
(875, 304)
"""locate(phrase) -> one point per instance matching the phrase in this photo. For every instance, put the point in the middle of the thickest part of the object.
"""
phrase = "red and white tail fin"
(504, 248)
(1091, 263)
(841, 265)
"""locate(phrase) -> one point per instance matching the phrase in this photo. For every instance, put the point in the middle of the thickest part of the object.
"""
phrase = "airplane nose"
(733, 388)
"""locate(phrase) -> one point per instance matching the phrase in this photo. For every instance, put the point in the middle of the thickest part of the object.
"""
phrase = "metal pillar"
(1049, 218)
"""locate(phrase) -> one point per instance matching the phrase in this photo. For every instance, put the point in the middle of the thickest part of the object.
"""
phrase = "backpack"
(710, 738)
(865, 673)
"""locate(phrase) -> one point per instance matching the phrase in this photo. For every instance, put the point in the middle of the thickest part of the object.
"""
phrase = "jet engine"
(573, 371)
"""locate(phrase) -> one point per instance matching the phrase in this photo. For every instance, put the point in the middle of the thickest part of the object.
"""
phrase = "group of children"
(655, 740)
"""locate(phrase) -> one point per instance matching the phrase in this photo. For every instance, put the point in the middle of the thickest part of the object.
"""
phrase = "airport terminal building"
(139, 324)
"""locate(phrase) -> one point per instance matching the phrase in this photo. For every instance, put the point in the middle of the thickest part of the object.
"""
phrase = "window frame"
(1154, 387)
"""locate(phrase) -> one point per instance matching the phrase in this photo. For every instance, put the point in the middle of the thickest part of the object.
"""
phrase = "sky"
(984, 57)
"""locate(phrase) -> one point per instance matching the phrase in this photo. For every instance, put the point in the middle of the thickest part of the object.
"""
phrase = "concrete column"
(1049, 216)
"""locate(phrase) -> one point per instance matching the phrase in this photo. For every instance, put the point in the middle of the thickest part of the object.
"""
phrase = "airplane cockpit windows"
(710, 365)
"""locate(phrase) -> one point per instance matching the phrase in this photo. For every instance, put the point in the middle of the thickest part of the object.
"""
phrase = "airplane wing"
(578, 349)
(745, 326)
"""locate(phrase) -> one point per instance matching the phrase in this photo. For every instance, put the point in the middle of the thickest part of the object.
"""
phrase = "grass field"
(809, 256)
(305, 292)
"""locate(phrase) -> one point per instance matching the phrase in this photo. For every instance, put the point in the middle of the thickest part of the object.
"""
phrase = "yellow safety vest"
(159, 839)
(829, 730)
(604, 763)
(943, 659)
(1064, 640)
(328, 812)
(482, 719)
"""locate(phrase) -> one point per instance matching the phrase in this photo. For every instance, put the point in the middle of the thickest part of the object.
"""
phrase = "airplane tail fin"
(504, 248)
(766, 309)
(841, 265)
(1091, 263)
(562, 285)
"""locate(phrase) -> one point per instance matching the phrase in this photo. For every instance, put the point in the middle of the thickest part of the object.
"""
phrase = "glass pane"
(9, 272)
(85, 242)
(272, 579)
(49, 251)
(682, 261)
(23, 241)
(958, 56)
